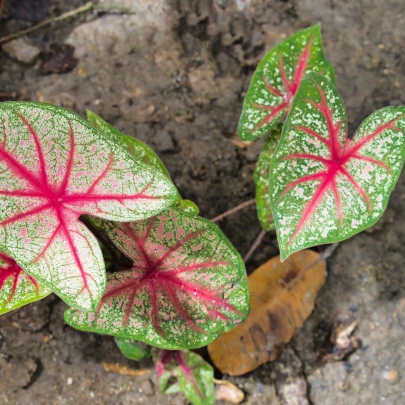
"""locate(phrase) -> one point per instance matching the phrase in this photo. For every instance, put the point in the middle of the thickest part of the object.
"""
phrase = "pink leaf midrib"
(339, 157)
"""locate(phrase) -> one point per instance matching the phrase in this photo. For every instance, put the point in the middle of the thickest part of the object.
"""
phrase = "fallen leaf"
(342, 343)
(124, 370)
(282, 297)
(226, 391)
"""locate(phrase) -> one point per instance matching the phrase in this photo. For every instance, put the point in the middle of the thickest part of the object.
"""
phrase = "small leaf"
(55, 167)
(17, 288)
(187, 285)
(324, 186)
(188, 207)
(182, 370)
(132, 349)
(277, 78)
(261, 178)
(137, 148)
(282, 297)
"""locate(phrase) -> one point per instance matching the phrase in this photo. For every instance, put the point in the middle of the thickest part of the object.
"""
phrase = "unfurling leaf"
(261, 178)
(282, 296)
(186, 372)
(277, 78)
(137, 148)
(187, 285)
(324, 186)
(17, 288)
(132, 349)
(55, 167)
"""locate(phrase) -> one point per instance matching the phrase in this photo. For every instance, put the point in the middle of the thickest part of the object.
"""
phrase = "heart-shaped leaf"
(187, 285)
(186, 372)
(17, 288)
(137, 148)
(261, 178)
(133, 349)
(54, 168)
(277, 78)
(324, 186)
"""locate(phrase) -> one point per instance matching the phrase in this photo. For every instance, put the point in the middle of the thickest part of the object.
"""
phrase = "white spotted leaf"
(186, 372)
(55, 167)
(277, 78)
(326, 187)
(17, 288)
(187, 285)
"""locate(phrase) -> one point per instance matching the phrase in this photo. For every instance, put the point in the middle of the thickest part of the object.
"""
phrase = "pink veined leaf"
(186, 372)
(324, 186)
(187, 285)
(55, 167)
(17, 288)
(277, 78)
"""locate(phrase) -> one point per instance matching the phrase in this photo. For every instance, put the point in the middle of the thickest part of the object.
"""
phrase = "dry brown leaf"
(124, 370)
(282, 296)
(226, 391)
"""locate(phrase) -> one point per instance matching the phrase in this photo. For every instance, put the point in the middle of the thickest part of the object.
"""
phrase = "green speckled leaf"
(186, 372)
(137, 148)
(55, 167)
(324, 186)
(277, 78)
(17, 288)
(187, 285)
(261, 178)
(132, 349)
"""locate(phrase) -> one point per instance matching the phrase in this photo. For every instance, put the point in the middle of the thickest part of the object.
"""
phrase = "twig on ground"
(233, 210)
(51, 20)
(88, 6)
(255, 245)
(8, 94)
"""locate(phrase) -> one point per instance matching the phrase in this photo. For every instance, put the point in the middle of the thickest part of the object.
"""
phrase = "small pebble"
(391, 376)
(70, 381)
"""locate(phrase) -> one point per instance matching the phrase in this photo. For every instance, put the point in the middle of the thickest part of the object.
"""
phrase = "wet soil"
(174, 74)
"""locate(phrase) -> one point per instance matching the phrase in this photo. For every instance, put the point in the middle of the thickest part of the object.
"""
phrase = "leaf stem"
(255, 245)
(233, 210)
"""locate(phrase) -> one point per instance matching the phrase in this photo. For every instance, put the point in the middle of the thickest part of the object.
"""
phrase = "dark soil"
(174, 75)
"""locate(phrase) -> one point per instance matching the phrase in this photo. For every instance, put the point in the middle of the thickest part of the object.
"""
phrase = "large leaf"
(133, 349)
(326, 187)
(261, 178)
(55, 167)
(17, 288)
(133, 145)
(282, 296)
(186, 372)
(187, 285)
(277, 78)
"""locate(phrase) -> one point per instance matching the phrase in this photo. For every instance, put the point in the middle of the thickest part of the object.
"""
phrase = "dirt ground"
(173, 74)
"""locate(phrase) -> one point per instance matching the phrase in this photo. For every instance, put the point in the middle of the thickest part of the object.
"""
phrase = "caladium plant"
(185, 371)
(187, 284)
(277, 78)
(54, 168)
(17, 288)
(326, 187)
